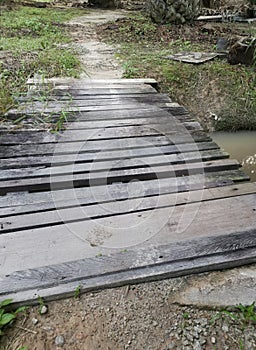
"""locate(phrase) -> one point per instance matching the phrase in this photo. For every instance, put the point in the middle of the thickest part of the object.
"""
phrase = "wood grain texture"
(87, 154)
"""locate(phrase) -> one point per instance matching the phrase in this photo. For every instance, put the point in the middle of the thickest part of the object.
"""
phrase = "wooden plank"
(66, 97)
(131, 81)
(133, 113)
(100, 174)
(144, 165)
(179, 134)
(90, 82)
(90, 145)
(14, 113)
(29, 217)
(188, 124)
(82, 125)
(163, 226)
(119, 191)
(86, 154)
(146, 112)
(98, 92)
(102, 100)
(155, 272)
(28, 137)
(112, 207)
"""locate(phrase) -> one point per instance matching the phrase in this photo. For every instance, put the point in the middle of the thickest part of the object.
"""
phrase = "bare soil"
(98, 58)
(141, 317)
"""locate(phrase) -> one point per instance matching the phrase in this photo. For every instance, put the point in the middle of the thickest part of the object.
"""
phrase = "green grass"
(213, 88)
(31, 43)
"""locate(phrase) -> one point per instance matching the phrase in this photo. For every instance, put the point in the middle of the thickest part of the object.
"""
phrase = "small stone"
(155, 324)
(171, 346)
(189, 337)
(198, 329)
(225, 328)
(34, 321)
(202, 341)
(43, 310)
(59, 341)
(185, 342)
(213, 340)
(197, 346)
(47, 328)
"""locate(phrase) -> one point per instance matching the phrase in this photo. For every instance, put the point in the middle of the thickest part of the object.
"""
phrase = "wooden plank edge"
(224, 259)
(68, 81)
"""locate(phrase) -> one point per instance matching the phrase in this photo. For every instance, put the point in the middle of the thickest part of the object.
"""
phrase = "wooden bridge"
(133, 190)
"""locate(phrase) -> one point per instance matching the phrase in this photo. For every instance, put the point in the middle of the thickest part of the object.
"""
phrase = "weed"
(215, 318)
(247, 313)
(129, 70)
(41, 304)
(243, 315)
(77, 292)
(241, 345)
(6, 318)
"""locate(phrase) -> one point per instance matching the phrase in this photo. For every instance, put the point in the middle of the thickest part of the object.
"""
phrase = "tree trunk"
(173, 11)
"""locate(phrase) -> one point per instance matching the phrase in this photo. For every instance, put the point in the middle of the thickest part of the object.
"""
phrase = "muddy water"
(241, 146)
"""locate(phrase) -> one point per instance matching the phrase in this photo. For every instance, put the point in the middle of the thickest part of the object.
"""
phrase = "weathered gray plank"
(189, 124)
(30, 217)
(25, 203)
(91, 145)
(71, 82)
(86, 154)
(121, 207)
(83, 104)
(99, 124)
(166, 131)
(30, 137)
(98, 163)
(164, 226)
(102, 92)
(143, 112)
(14, 113)
(95, 175)
(118, 191)
(66, 98)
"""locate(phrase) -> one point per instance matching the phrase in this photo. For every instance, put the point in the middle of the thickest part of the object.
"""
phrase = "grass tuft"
(31, 43)
(221, 96)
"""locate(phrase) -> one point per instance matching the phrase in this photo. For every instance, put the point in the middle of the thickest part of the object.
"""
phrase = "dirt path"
(150, 316)
(98, 59)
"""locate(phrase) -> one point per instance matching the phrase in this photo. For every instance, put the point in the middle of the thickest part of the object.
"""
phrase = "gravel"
(141, 318)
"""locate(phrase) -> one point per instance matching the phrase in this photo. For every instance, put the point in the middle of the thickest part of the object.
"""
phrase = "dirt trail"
(98, 59)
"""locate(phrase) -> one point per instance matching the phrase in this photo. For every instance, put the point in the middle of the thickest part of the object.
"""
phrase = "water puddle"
(241, 146)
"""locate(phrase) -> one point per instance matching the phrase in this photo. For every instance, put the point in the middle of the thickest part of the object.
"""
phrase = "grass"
(31, 43)
(213, 89)
(6, 318)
